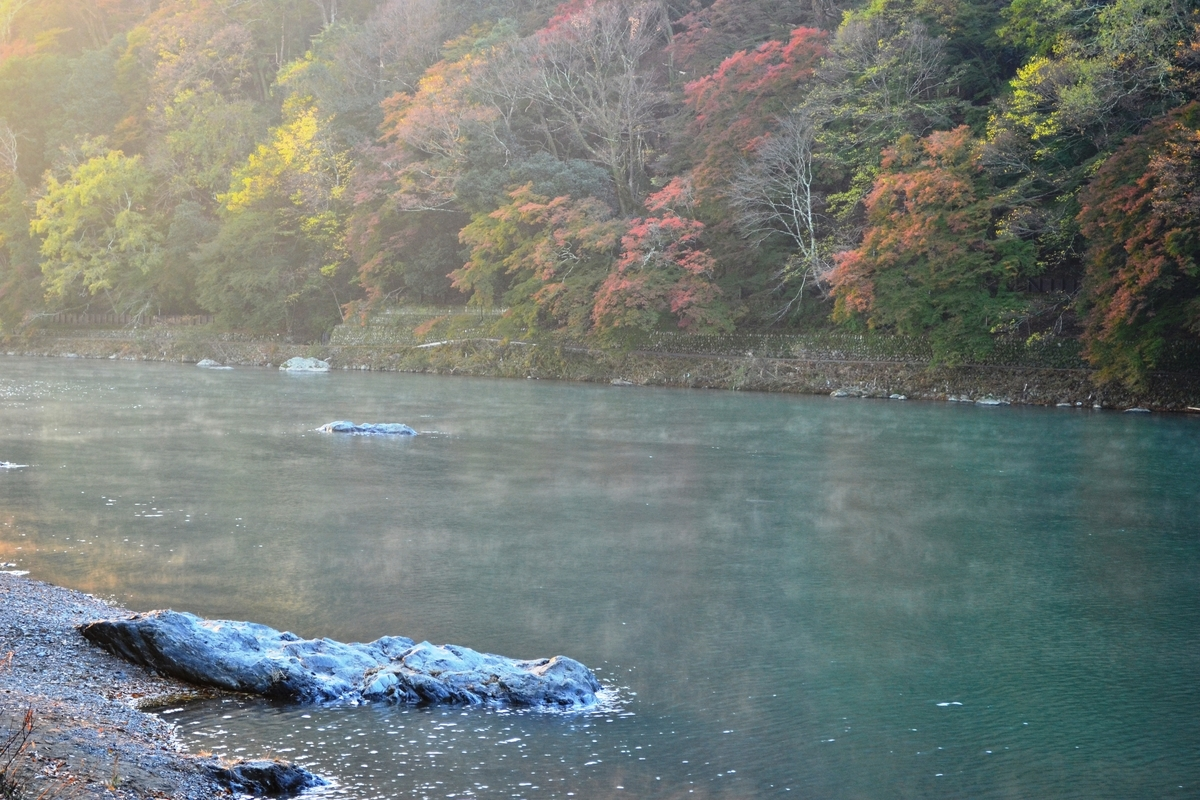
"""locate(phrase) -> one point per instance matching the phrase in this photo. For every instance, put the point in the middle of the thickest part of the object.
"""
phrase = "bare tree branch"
(8, 147)
(8, 13)
(775, 195)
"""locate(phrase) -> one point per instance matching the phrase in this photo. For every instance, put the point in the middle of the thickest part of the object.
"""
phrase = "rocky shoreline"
(90, 737)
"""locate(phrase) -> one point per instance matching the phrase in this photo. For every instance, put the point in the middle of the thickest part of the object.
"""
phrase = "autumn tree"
(434, 136)
(402, 256)
(452, 150)
(663, 276)
(708, 35)
(597, 89)
(403, 231)
(543, 258)
(929, 263)
(1097, 74)
(352, 66)
(1141, 217)
(741, 101)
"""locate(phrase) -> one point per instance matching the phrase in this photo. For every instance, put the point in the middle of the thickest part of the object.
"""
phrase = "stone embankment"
(804, 373)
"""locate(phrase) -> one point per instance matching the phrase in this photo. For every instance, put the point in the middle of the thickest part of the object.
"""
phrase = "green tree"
(98, 235)
(276, 264)
(20, 273)
(885, 78)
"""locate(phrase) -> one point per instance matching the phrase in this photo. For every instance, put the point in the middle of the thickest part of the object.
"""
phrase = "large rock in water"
(368, 428)
(248, 657)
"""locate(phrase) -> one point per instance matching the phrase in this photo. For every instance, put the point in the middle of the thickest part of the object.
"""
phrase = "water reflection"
(794, 595)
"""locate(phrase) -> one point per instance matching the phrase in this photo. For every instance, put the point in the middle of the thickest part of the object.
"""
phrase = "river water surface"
(787, 596)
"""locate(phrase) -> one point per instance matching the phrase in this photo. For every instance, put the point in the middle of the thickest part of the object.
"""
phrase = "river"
(786, 596)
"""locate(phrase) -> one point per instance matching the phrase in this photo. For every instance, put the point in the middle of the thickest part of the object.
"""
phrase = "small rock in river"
(368, 428)
(301, 364)
(264, 777)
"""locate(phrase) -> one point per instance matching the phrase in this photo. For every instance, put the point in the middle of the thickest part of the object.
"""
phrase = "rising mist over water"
(788, 596)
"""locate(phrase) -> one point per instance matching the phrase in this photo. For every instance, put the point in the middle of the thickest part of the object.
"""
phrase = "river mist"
(787, 596)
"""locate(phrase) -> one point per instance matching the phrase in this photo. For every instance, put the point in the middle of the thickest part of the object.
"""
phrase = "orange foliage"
(1141, 215)
(662, 270)
(738, 103)
(929, 262)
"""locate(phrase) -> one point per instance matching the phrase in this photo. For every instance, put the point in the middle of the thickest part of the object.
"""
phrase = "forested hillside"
(960, 170)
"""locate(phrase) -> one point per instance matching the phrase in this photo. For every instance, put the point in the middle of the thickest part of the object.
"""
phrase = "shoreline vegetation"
(74, 716)
(965, 173)
(442, 342)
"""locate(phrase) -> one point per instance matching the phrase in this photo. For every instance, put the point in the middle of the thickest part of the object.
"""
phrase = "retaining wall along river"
(769, 367)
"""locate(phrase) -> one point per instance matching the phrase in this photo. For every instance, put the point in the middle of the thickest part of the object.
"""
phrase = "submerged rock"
(368, 428)
(264, 777)
(301, 364)
(253, 658)
(208, 363)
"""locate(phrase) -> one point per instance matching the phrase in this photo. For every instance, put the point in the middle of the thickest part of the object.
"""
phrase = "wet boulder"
(368, 428)
(264, 777)
(428, 673)
(301, 364)
(242, 656)
(253, 658)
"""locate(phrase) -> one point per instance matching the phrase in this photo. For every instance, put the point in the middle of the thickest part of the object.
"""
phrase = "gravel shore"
(89, 739)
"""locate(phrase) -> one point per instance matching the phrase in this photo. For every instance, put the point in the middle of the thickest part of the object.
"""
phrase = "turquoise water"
(789, 596)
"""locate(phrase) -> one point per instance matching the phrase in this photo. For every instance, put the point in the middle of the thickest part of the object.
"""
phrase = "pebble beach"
(90, 736)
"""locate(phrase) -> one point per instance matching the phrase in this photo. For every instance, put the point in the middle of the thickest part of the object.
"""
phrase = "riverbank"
(489, 357)
(89, 738)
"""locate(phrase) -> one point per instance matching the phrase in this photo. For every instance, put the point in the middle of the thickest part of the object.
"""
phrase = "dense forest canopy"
(960, 170)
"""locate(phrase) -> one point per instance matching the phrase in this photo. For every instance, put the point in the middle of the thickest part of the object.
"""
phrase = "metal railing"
(69, 319)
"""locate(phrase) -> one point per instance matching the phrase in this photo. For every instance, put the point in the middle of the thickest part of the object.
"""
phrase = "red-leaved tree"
(930, 263)
(740, 102)
(542, 257)
(662, 273)
(1141, 217)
